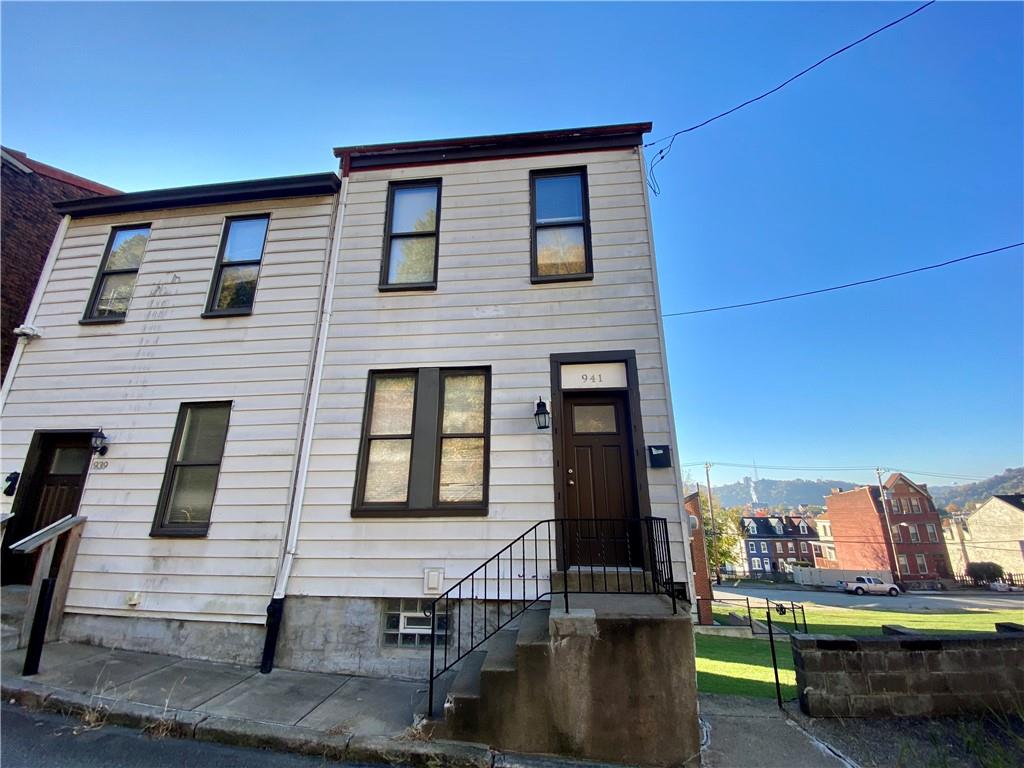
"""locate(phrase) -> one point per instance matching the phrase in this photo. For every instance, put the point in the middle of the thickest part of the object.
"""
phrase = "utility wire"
(845, 285)
(660, 156)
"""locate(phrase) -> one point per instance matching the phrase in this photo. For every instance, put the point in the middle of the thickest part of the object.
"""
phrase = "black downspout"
(275, 612)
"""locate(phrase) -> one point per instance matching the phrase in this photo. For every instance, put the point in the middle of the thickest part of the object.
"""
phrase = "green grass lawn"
(743, 666)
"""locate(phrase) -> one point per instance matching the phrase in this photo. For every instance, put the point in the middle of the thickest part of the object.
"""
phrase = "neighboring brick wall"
(909, 675)
(858, 530)
(698, 556)
(29, 224)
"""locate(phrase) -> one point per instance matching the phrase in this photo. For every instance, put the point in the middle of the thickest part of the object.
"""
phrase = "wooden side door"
(53, 489)
(601, 527)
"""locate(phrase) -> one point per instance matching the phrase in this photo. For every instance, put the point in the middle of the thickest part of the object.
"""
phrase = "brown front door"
(601, 525)
(50, 489)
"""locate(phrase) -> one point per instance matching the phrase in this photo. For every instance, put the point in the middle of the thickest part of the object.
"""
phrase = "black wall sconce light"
(99, 442)
(542, 415)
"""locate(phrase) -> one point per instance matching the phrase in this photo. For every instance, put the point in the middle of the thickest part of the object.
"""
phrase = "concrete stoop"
(612, 680)
(13, 604)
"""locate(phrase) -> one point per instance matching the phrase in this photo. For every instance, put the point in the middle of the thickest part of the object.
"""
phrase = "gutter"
(275, 610)
(30, 315)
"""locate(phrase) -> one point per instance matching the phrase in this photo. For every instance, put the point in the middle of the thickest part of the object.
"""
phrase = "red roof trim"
(62, 176)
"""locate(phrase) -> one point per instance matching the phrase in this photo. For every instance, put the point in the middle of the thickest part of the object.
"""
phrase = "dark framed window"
(233, 289)
(560, 226)
(193, 467)
(425, 443)
(119, 269)
(411, 236)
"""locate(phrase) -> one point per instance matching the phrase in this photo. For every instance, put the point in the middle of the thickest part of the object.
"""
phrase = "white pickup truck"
(871, 585)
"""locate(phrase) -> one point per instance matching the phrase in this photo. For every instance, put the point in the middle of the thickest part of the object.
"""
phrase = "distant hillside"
(1010, 481)
(788, 493)
(791, 493)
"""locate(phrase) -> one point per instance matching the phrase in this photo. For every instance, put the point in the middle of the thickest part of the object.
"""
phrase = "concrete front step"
(9, 637)
(600, 579)
(13, 603)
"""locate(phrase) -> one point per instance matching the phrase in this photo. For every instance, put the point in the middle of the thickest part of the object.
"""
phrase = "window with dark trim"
(119, 269)
(560, 226)
(411, 235)
(193, 467)
(425, 443)
(233, 289)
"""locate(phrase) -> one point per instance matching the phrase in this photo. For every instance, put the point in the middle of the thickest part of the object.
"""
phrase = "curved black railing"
(553, 557)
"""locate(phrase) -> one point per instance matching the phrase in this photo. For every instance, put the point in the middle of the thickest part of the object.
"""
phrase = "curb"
(187, 724)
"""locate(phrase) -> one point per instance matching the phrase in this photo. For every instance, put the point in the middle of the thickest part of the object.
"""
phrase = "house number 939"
(100, 464)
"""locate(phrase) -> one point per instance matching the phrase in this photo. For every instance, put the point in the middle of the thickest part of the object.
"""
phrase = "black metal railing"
(554, 557)
(756, 613)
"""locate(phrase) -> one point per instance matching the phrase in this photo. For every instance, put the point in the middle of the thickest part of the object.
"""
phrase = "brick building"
(777, 543)
(29, 221)
(863, 540)
(699, 557)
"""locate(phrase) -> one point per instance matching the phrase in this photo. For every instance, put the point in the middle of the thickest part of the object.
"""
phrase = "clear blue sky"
(905, 151)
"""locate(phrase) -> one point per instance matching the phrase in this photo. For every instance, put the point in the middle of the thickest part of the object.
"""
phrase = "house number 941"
(592, 378)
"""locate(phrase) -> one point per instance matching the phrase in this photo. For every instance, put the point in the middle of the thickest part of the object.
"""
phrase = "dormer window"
(803, 529)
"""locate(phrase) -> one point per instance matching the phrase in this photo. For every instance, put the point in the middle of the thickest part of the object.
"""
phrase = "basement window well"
(407, 624)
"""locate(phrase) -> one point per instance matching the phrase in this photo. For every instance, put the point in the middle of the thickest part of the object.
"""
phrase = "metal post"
(888, 525)
(775, 662)
(433, 636)
(37, 635)
(711, 512)
(565, 567)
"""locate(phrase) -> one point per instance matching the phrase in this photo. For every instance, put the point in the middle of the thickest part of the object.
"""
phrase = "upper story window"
(803, 529)
(115, 283)
(425, 443)
(193, 467)
(897, 535)
(233, 289)
(411, 236)
(933, 535)
(897, 508)
(764, 546)
(915, 505)
(778, 546)
(560, 218)
(752, 546)
(915, 535)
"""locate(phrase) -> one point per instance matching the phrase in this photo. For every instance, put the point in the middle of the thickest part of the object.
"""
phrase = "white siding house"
(382, 426)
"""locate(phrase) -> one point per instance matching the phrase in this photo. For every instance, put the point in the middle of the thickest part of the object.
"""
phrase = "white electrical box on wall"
(433, 581)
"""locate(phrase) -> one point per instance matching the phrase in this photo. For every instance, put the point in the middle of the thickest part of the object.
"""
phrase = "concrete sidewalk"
(336, 716)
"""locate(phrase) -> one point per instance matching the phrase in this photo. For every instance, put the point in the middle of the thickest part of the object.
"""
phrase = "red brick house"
(29, 221)
(864, 540)
(699, 557)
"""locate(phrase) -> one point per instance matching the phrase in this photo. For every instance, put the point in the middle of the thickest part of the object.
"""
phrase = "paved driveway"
(934, 601)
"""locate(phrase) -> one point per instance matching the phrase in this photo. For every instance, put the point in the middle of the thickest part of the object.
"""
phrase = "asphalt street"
(38, 739)
(933, 601)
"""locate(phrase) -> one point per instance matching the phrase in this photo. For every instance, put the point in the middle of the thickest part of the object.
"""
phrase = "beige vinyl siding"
(485, 311)
(130, 379)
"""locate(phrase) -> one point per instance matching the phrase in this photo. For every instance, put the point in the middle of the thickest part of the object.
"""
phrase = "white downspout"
(302, 472)
(37, 299)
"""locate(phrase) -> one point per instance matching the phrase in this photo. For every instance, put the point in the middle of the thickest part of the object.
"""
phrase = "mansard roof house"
(360, 424)
(776, 543)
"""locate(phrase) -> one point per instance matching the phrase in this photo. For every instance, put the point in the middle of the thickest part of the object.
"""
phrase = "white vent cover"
(433, 581)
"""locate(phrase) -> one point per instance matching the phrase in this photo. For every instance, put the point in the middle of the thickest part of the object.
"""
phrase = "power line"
(660, 156)
(845, 285)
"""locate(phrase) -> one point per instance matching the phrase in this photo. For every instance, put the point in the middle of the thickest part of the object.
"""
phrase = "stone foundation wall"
(208, 640)
(903, 675)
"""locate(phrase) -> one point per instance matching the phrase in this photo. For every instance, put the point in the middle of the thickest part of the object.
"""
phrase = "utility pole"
(888, 525)
(711, 511)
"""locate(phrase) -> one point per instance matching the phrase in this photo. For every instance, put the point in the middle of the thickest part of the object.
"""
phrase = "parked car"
(872, 586)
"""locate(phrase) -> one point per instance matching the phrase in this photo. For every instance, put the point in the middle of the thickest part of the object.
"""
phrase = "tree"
(984, 573)
(722, 538)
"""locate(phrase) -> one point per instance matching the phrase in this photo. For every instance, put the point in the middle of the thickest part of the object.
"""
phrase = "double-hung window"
(902, 566)
(424, 449)
(193, 467)
(778, 546)
(922, 564)
(897, 536)
(115, 283)
(560, 218)
(803, 547)
(233, 289)
(411, 236)
(933, 535)
(752, 546)
(915, 535)
(915, 505)
(764, 547)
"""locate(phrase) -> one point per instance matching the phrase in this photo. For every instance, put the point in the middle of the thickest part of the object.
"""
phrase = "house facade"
(29, 222)
(320, 396)
(896, 528)
(992, 533)
(773, 544)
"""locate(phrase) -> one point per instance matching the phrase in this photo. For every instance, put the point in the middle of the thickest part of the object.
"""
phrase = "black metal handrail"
(590, 556)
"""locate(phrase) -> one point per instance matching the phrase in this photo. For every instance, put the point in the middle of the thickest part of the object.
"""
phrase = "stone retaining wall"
(900, 675)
